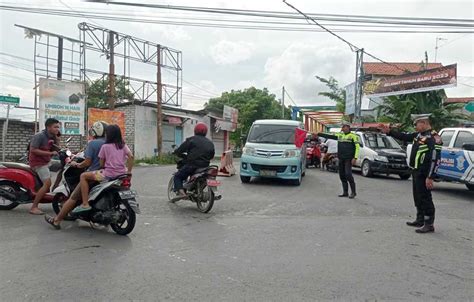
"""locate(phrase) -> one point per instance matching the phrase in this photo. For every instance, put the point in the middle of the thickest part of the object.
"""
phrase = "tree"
(398, 109)
(97, 92)
(253, 104)
(335, 94)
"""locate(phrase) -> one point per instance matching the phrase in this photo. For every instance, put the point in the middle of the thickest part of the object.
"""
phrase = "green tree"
(335, 93)
(398, 109)
(97, 92)
(253, 104)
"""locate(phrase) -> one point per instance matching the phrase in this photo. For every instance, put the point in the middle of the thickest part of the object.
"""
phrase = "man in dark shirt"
(199, 152)
(39, 158)
(91, 162)
(424, 159)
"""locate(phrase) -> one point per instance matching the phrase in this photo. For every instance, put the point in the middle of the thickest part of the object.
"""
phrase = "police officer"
(347, 153)
(424, 159)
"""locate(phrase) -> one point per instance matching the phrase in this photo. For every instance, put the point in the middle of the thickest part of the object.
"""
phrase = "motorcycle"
(313, 155)
(333, 163)
(19, 183)
(200, 188)
(112, 202)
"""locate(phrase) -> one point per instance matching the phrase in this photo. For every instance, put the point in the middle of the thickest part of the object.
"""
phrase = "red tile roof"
(378, 68)
(458, 100)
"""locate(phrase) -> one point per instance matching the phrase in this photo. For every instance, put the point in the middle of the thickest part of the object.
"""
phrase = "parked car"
(457, 156)
(380, 153)
(270, 152)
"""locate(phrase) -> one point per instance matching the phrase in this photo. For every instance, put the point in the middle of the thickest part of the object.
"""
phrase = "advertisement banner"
(64, 101)
(350, 99)
(108, 116)
(231, 117)
(426, 80)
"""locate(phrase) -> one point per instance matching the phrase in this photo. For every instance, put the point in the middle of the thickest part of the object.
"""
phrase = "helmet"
(98, 129)
(200, 129)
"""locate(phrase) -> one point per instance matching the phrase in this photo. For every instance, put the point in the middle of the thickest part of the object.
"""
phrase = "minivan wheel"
(245, 179)
(366, 170)
(470, 187)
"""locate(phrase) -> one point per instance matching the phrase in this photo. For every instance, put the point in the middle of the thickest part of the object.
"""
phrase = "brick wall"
(19, 135)
(129, 125)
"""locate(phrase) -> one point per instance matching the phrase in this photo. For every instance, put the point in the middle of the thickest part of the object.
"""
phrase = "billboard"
(108, 116)
(426, 80)
(230, 119)
(350, 99)
(64, 101)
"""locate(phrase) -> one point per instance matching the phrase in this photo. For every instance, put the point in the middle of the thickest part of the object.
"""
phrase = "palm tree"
(398, 109)
(335, 94)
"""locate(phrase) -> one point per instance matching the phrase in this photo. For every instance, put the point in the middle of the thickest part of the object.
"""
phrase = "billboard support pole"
(4, 134)
(111, 71)
(159, 115)
(359, 81)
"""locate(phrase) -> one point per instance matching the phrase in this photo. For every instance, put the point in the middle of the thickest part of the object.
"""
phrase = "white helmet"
(98, 129)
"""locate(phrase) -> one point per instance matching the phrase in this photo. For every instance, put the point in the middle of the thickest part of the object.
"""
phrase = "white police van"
(457, 156)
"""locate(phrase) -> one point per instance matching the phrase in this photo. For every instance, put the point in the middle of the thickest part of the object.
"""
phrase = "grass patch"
(158, 160)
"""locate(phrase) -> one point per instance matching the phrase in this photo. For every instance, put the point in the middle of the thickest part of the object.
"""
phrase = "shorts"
(99, 176)
(43, 172)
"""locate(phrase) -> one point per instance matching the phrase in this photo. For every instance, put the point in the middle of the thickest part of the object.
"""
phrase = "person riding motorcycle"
(197, 152)
(91, 162)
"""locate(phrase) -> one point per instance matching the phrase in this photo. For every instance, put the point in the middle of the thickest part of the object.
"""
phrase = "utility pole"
(111, 71)
(359, 78)
(60, 59)
(159, 115)
(5, 131)
(283, 102)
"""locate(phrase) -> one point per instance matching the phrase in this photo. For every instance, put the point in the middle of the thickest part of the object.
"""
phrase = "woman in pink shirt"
(115, 159)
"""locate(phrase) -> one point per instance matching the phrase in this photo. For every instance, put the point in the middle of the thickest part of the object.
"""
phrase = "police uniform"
(424, 160)
(348, 147)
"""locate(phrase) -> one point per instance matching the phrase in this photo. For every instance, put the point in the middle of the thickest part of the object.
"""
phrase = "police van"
(457, 156)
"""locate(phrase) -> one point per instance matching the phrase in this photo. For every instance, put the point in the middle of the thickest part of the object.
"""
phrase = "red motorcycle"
(313, 155)
(19, 183)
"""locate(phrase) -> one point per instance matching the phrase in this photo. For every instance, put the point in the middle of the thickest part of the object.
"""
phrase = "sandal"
(81, 209)
(50, 220)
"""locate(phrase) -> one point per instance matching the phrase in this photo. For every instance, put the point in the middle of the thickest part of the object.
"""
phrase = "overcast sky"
(219, 60)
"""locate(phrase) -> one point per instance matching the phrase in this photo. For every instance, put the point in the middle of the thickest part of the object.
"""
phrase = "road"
(263, 241)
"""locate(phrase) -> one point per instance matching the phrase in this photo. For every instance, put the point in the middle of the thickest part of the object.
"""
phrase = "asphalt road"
(263, 241)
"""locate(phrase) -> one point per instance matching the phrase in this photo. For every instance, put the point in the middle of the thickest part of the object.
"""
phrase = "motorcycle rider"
(91, 162)
(40, 157)
(199, 152)
(347, 152)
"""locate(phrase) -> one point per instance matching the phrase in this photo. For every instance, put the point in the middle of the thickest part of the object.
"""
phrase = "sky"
(218, 59)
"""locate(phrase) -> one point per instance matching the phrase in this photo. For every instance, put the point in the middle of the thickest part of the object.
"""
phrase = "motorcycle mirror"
(68, 153)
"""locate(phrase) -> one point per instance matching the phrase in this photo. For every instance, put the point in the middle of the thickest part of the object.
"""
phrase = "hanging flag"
(300, 137)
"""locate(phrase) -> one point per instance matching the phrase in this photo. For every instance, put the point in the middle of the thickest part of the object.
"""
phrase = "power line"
(291, 99)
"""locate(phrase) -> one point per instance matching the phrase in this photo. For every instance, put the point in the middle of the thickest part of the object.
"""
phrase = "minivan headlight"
(381, 158)
(290, 153)
(248, 151)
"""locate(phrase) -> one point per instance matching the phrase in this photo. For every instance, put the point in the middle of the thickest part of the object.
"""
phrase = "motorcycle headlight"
(381, 158)
(248, 151)
(290, 153)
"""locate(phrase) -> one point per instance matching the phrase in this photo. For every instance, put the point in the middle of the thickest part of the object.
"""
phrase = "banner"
(64, 101)
(426, 80)
(108, 116)
(231, 116)
(350, 99)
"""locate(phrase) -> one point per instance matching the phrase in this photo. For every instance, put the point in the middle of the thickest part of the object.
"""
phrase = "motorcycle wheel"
(126, 226)
(203, 202)
(57, 202)
(10, 187)
(171, 193)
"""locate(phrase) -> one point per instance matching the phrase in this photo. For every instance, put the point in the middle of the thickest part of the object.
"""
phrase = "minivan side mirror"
(468, 147)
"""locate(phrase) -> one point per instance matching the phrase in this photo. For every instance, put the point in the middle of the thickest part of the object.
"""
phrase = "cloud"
(228, 52)
(298, 65)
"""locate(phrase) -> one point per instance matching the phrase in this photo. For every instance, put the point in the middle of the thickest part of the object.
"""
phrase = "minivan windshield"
(272, 134)
(380, 141)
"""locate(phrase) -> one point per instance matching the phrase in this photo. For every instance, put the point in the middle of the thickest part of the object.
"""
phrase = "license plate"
(268, 173)
(127, 194)
(213, 183)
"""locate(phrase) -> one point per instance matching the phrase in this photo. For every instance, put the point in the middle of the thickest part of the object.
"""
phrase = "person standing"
(347, 152)
(41, 152)
(424, 159)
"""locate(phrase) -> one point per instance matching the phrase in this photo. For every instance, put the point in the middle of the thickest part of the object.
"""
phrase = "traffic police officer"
(424, 159)
(347, 153)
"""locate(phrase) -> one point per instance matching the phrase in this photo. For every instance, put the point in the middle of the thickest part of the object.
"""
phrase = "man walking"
(40, 157)
(424, 159)
(347, 153)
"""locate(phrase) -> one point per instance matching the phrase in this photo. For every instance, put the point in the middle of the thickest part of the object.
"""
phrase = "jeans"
(182, 175)
(345, 174)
